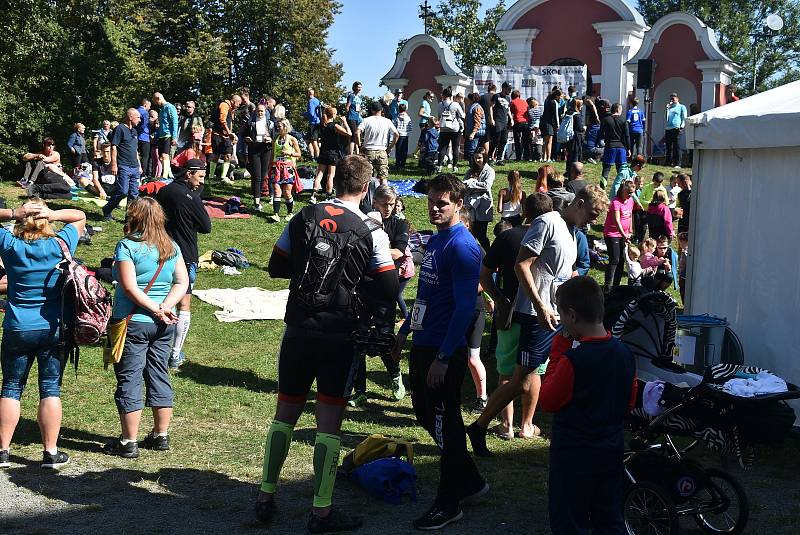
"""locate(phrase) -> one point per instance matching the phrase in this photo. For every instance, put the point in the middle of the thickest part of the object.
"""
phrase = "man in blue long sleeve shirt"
(167, 134)
(143, 131)
(314, 116)
(675, 122)
(448, 282)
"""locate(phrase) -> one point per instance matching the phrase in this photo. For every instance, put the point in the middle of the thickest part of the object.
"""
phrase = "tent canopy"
(763, 120)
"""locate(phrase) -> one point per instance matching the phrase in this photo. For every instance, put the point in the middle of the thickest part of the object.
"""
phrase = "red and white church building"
(608, 36)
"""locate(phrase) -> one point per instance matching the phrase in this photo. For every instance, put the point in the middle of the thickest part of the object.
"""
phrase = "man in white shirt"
(373, 136)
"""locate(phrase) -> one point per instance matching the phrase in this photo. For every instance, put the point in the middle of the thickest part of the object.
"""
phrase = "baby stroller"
(662, 484)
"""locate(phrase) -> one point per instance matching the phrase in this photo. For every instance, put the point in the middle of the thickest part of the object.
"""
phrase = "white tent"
(744, 261)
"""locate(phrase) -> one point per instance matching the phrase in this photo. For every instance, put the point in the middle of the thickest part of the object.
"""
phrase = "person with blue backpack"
(314, 116)
(636, 121)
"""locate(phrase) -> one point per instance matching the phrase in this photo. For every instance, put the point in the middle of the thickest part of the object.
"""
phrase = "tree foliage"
(471, 38)
(777, 55)
(67, 61)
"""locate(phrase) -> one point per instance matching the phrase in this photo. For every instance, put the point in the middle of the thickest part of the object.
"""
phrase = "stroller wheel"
(734, 510)
(649, 510)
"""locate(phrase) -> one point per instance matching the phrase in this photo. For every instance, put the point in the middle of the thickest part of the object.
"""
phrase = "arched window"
(572, 62)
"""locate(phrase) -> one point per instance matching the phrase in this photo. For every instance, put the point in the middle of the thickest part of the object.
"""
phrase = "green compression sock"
(212, 168)
(275, 450)
(326, 461)
(225, 167)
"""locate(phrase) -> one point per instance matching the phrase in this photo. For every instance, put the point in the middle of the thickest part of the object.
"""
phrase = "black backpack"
(326, 282)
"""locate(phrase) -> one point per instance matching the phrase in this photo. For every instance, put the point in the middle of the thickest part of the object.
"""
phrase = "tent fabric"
(767, 119)
(744, 260)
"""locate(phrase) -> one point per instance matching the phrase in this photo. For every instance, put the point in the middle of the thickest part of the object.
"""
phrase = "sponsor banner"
(536, 82)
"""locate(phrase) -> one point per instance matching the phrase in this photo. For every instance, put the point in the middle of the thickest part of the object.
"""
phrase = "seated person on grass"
(103, 180)
(590, 386)
(47, 159)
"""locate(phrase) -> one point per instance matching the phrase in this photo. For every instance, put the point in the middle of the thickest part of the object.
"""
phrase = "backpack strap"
(147, 288)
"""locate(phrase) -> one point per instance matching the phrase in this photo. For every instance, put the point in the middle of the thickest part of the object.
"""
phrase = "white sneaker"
(227, 181)
(288, 217)
(313, 200)
(677, 168)
(591, 160)
(275, 217)
(259, 207)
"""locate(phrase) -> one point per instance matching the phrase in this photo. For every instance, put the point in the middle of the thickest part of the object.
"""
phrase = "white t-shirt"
(550, 239)
(375, 132)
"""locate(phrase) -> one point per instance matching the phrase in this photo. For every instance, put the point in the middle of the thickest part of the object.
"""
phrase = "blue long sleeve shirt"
(676, 116)
(448, 285)
(583, 261)
(143, 128)
(168, 122)
(312, 113)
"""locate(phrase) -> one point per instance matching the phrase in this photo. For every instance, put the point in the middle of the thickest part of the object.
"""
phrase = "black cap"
(375, 106)
(195, 164)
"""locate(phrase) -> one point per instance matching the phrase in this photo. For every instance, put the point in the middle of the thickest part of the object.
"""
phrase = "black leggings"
(479, 229)
(522, 141)
(498, 143)
(259, 167)
(144, 156)
(616, 248)
(439, 412)
(452, 139)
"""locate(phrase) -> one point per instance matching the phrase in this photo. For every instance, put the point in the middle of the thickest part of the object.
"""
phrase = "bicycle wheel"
(648, 510)
(732, 517)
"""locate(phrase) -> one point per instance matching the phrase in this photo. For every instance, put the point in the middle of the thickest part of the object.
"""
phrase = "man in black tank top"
(326, 251)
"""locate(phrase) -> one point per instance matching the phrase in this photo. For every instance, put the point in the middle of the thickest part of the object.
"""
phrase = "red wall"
(422, 69)
(675, 54)
(567, 32)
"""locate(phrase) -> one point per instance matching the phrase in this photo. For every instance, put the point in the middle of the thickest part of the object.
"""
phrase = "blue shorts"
(535, 341)
(613, 155)
(19, 349)
(191, 270)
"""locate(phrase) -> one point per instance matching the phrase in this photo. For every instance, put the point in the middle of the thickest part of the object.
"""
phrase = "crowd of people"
(347, 255)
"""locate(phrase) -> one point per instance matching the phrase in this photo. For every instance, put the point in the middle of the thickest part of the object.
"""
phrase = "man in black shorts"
(186, 216)
(321, 317)
(222, 135)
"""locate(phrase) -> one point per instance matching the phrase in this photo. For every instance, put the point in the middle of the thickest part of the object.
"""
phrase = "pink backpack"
(87, 323)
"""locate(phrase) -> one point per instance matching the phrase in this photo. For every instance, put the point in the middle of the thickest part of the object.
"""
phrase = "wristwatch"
(443, 357)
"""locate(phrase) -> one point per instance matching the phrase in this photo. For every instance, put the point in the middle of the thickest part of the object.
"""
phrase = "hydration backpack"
(323, 283)
(565, 132)
(86, 323)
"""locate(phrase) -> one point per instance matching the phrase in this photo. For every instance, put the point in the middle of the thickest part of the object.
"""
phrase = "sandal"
(536, 433)
(499, 431)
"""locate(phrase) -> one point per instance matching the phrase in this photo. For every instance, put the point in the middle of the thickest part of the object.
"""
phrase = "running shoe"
(398, 388)
(275, 217)
(335, 521)
(176, 362)
(477, 437)
(4, 459)
(115, 447)
(153, 442)
(227, 181)
(438, 517)
(54, 461)
(479, 405)
(288, 217)
(265, 511)
(357, 399)
(480, 488)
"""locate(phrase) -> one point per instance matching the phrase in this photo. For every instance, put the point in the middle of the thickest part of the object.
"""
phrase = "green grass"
(226, 395)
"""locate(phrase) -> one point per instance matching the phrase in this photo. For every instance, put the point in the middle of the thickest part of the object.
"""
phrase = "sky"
(365, 36)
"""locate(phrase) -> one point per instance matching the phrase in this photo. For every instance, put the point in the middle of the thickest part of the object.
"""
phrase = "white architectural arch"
(704, 34)
(521, 7)
(443, 53)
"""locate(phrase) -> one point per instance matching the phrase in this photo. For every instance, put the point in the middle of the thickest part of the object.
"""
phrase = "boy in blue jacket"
(590, 386)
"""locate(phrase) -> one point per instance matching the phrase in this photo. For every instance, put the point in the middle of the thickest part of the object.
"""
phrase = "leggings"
(616, 248)
(446, 139)
(479, 229)
(400, 301)
(259, 167)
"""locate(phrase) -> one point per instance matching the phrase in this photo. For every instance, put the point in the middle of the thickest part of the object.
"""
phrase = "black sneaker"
(438, 517)
(335, 521)
(265, 511)
(479, 405)
(153, 442)
(4, 462)
(477, 437)
(115, 447)
(477, 490)
(54, 461)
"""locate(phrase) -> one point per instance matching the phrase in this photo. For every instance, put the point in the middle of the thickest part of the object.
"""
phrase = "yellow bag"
(115, 342)
(376, 447)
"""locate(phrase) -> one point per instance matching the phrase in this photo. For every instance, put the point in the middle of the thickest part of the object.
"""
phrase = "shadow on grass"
(27, 432)
(220, 376)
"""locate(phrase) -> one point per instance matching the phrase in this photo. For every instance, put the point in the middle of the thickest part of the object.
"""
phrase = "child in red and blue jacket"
(590, 385)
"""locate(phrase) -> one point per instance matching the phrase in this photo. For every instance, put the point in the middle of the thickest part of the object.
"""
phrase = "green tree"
(471, 38)
(777, 55)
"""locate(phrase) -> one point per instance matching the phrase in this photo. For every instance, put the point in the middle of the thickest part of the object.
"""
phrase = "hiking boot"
(479, 405)
(265, 511)
(398, 388)
(477, 437)
(438, 517)
(175, 362)
(335, 521)
(153, 442)
(4, 459)
(54, 461)
(115, 447)
(357, 399)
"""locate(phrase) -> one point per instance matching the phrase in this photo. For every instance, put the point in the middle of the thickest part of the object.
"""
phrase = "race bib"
(418, 314)
(108, 179)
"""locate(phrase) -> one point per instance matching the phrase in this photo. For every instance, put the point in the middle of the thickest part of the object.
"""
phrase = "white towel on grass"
(245, 303)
